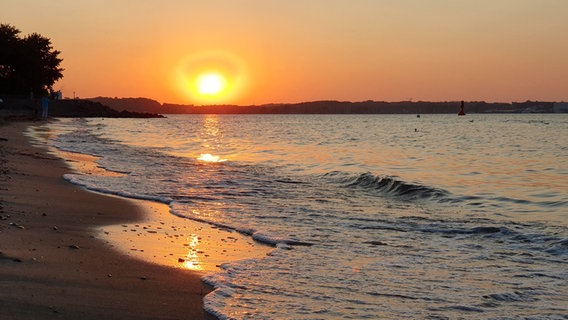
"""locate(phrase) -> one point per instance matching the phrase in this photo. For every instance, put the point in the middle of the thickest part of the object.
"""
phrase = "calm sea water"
(371, 216)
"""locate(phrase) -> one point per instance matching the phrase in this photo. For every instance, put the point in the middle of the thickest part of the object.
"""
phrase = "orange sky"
(303, 50)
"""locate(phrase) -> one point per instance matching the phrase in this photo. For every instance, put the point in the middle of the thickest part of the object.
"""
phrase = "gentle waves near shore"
(374, 216)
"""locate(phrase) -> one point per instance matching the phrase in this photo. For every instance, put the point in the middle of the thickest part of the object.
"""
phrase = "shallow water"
(372, 216)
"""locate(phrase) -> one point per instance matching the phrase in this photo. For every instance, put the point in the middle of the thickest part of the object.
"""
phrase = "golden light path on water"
(207, 157)
(211, 140)
(211, 77)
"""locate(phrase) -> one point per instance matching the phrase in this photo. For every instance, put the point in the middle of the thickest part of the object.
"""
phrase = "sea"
(366, 216)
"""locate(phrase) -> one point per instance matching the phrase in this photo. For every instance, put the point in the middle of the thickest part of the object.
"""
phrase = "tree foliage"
(27, 64)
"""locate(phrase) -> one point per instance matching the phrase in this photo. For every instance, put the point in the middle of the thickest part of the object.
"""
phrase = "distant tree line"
(328, 107)
(29, 65)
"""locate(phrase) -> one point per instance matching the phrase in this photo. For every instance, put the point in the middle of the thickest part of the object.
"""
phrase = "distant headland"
(29, 109)
(144, 105)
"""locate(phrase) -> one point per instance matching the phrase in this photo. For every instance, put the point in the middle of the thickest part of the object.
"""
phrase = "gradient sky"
(304, 50)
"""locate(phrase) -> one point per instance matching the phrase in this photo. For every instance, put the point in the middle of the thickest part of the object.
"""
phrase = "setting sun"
(210, 84)
(211, 77)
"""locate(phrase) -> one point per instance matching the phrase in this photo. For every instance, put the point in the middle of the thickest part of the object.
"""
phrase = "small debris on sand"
(13, 224)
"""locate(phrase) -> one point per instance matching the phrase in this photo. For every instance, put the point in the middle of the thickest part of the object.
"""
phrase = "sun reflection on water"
(212, 135)
(207, 157)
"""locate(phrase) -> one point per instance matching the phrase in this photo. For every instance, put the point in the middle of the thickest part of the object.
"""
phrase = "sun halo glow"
(213, 77)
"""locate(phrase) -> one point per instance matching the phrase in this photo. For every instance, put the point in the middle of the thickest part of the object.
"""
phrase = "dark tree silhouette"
(28, 64)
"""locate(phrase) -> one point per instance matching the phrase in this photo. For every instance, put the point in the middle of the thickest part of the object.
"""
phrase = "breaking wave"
(388, 185)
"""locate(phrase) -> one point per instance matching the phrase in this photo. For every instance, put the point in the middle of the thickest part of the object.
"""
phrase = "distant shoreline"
(148, 108)
(334, 107)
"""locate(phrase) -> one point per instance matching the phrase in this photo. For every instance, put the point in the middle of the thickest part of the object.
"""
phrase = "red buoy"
(462, 112)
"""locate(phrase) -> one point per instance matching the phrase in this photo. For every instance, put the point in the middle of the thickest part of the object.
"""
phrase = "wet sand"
(61, 256)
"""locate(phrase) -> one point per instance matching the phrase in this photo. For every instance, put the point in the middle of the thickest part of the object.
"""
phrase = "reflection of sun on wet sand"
(169, 240)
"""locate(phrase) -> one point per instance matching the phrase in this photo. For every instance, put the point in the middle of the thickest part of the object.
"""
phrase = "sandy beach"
(53, 265)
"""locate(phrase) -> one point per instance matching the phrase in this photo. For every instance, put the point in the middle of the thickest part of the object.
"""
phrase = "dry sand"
(53, 265)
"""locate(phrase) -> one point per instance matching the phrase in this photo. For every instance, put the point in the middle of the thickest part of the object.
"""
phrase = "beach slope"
(51, 264)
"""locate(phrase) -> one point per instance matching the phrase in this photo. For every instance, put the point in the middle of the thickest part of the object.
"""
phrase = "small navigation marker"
(462, 112)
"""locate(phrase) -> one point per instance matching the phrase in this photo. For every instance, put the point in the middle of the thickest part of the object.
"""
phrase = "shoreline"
(163, 238)
(53, 264)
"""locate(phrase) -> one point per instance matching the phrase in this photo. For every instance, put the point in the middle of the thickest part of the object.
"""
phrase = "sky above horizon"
(268, 51)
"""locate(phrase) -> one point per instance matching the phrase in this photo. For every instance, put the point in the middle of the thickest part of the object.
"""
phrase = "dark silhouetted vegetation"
(77, 108)
(28, 65)
(329, 107)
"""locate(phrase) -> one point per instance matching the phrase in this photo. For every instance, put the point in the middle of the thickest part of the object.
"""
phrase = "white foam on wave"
(257, 235)
(226, 288)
